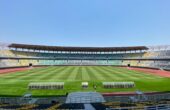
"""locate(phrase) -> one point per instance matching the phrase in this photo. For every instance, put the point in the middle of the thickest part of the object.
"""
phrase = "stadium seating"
(81, 106)
(10, 58)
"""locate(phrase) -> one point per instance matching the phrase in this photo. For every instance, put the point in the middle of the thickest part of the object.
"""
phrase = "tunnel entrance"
(30, 65)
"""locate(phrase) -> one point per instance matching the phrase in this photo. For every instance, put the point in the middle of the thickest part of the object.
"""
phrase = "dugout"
(46, 85)
(118, 85)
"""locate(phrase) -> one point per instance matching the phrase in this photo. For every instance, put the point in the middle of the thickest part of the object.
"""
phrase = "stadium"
(85, 55)
(58, 77)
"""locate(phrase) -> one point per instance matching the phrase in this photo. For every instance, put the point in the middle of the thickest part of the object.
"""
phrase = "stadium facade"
(16, 55)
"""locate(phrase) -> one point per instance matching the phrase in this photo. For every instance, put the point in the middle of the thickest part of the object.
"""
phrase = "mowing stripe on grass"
(73, 74)
(124, 74)
(57, 74)
(146, 74)
(135, 74)
(91, 74)
(11, 75)
(85, 74)
(21, 72)
(116, 74)
(79, 74)
(130, 73)
(25, 74)
(96, 73)
(108, 75)
(48, 75)
(64, 74)
(35, 75)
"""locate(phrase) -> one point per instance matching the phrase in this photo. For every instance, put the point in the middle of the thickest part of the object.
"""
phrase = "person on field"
(95, 87)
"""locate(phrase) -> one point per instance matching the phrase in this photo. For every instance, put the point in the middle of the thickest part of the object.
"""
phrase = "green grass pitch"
(15, 84)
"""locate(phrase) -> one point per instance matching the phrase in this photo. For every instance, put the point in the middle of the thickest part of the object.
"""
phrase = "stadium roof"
(85, 49)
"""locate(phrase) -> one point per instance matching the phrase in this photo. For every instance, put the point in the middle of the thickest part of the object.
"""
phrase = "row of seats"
(26, 62)
(66, 56)
(29, 107)
(147, 105)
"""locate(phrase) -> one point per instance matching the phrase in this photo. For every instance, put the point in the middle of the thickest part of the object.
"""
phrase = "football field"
(15, 84)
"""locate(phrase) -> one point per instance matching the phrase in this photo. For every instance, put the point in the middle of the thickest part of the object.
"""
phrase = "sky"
(90, 23)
